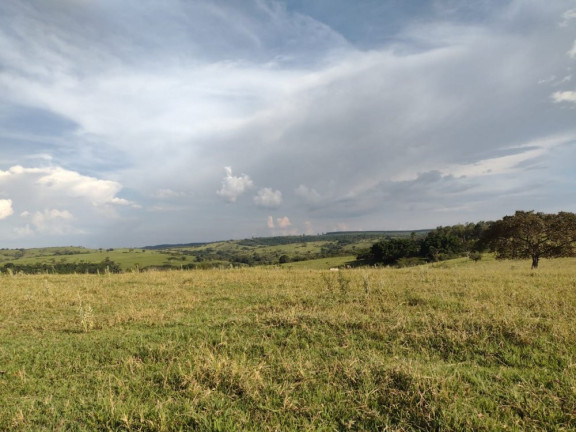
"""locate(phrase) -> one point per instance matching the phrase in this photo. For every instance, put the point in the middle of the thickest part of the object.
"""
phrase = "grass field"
(238, 253)
(475, 346)
(321, 263)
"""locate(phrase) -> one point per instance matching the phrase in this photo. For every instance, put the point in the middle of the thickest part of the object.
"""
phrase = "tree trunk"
(535, 259)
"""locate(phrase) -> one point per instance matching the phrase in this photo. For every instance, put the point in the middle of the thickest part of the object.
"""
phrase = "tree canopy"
(527, 234)
(439, 244)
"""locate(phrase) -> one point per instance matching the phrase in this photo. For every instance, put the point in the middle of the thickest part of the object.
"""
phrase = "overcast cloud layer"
(170, 121)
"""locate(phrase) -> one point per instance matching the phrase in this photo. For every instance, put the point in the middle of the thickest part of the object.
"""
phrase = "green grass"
(475, 346)
(322, 263)
(125, 257)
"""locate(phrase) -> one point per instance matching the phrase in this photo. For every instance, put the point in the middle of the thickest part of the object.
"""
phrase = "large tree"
(533, 235)
(389, 251)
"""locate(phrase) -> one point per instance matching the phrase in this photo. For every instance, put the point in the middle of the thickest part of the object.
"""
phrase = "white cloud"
(511, 162)
(5, 208)
(308, 194)
(555, 81)
(233, 187)
(283, 222)
(51, 221)
(56, 201)
(572, 52)
(99, 192)
(567, 17)
(167, 194)
(268, 198)
(24, 231)
(59, 181)
(564, 96)
(270, 223)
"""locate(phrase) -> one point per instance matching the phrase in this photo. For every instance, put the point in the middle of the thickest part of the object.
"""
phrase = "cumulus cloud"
(233, 187)
(564, 96)
(23, 231)
(268, 198)
(55, 201)
(281, 222)
(5, 208)
(99, 192)
(270, 223)
(52, 221)
(63, 182)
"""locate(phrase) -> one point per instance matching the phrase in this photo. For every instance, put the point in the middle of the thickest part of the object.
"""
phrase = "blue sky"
(138, 122)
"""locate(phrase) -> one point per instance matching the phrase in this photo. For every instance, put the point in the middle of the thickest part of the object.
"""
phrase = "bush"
(475, 256)
(410, 262)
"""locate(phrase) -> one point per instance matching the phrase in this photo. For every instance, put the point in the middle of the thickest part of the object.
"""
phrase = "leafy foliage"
(63, 268)
(439, 244)
(390, 251)
(533, 235)
(452, 241)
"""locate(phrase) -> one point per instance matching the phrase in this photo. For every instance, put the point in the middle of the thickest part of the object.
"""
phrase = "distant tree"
(284, 259)
(442, 243)
(533, 235)
(475, 256)
(452, 241)
(389, 251)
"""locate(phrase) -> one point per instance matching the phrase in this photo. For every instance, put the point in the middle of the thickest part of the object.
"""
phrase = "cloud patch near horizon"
(234, 186)
(50, 221)
(55, 201)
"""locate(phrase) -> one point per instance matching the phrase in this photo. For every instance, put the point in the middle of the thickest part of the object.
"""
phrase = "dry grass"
(483, 346)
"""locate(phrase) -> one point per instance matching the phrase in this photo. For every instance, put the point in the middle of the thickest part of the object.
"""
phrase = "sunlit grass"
(468, 346)
(321, 263)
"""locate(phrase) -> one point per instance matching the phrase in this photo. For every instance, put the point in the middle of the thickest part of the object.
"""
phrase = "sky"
(142, 122)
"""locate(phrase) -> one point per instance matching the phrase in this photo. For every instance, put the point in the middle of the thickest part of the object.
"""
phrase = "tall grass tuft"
(86, 317)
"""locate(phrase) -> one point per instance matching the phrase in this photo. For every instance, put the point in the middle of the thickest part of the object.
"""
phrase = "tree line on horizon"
(105, 266)
(524, 235)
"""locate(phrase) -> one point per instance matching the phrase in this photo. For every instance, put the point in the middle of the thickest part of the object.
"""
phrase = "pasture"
(475, 346)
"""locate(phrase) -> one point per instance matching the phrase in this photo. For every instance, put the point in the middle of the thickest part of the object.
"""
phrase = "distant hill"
(402, 233)
(306, 238)
(198, 255)
(169, 246)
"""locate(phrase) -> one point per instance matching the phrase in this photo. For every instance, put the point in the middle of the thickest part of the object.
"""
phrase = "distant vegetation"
(523, 235)
(233, 253)
(440, 244)
(105, 266)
